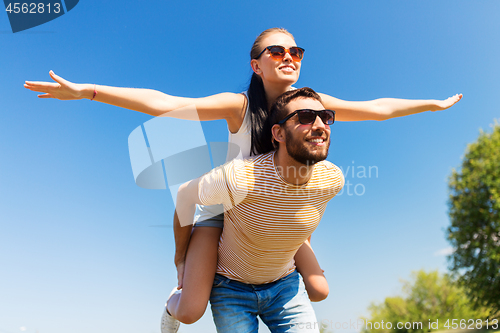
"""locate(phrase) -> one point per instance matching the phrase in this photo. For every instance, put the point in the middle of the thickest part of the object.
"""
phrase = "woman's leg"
(308, 267)
(199, 273)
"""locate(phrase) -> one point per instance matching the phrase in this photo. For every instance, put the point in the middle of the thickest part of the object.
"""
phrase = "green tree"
(427, 297)
(323, 329)
(474, 210)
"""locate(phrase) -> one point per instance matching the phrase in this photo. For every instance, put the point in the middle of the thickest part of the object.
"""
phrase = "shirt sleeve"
(213, 188)
(341, 181)
(336, 177)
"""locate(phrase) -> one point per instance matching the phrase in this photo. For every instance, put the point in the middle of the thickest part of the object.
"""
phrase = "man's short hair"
(278, 109)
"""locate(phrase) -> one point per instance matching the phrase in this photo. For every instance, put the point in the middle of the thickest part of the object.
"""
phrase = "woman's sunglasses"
(308, 116)
(278, 52)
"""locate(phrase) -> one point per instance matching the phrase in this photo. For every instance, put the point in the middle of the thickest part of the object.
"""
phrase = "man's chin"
(310, 160)
(320, 156)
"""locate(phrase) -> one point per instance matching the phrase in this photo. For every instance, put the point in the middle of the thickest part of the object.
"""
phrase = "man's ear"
(255, 66)
(278, 133)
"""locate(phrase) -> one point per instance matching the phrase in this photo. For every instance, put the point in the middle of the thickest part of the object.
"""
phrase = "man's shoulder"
(249, 166)
(328, 167)
(253, 161)
(328, 174)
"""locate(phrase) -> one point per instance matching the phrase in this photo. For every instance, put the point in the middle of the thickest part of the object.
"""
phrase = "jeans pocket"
(218, 281)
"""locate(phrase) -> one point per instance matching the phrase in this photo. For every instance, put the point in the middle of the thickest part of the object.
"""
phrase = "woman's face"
(284, 71)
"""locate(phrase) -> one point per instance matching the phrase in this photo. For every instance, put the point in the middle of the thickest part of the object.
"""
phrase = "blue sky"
(80, 246)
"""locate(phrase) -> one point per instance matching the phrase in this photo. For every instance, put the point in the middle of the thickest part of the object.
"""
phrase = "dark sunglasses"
(308, 116)
(278, 52)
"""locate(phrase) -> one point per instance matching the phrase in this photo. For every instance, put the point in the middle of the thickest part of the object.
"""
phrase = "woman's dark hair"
(257, 101)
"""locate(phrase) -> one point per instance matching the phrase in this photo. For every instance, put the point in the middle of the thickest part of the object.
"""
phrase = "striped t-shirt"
(266, 219)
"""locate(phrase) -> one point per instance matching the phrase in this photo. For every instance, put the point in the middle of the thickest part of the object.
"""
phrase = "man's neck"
(290, 170)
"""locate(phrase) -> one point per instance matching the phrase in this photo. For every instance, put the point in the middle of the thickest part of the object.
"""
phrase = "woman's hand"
(180, 273)
(447, 103)
(384, 108)
(61, 89)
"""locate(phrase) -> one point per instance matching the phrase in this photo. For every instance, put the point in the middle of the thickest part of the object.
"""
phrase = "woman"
(275, 61)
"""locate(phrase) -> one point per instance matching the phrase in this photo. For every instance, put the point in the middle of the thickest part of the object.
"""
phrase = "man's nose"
(318, 124)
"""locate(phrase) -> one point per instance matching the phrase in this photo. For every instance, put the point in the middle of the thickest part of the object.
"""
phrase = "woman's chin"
(289, 78)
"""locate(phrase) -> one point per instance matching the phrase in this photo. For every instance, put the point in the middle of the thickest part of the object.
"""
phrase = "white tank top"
(239, 142)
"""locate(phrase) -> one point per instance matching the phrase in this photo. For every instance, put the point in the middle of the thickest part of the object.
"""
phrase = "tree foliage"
(428, 297)
(474, 210)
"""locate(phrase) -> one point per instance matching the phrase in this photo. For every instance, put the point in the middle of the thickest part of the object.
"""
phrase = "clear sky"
(84, 249)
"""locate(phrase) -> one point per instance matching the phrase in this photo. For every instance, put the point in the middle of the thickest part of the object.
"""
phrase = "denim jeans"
(282, 305)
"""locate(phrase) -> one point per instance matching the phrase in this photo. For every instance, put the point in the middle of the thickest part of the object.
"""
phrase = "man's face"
(307, 144)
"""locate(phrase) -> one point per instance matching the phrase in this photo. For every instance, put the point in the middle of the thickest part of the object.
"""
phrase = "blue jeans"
(282, 305)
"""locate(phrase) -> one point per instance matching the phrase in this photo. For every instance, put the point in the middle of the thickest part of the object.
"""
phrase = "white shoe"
(168, 323)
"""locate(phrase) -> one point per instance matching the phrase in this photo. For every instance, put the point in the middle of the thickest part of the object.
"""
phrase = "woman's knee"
(189, 315)
(318, 295)
(318, 290)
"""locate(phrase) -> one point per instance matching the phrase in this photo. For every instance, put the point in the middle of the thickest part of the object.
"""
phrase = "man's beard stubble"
(298, 151)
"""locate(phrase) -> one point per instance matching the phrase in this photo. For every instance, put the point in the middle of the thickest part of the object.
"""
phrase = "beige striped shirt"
(266, 219)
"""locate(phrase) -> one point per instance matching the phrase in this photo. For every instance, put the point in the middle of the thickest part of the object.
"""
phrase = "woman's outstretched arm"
(384, 108)
(227, 106)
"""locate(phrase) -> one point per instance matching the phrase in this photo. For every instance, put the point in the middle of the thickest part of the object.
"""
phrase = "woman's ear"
(255, 66)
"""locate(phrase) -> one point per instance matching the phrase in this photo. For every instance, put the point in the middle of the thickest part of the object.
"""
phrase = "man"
(272, 202)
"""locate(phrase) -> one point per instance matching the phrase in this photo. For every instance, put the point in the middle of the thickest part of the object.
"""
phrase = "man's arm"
(384, 108)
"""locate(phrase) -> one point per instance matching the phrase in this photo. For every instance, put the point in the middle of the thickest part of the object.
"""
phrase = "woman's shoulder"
(238, 103)
(230, 99)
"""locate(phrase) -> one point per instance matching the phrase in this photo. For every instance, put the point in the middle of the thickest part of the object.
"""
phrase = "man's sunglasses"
(308, 116)
(278, 52)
